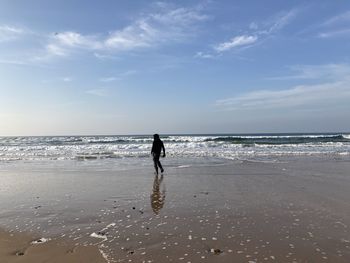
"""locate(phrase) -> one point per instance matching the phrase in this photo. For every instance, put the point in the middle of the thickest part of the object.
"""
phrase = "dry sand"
(292, 211)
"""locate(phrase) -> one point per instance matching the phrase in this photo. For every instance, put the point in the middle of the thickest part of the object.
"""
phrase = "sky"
(77, 67)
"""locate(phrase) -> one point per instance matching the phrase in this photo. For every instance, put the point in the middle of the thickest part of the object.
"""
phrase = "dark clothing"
(157, 147)
(157, 162)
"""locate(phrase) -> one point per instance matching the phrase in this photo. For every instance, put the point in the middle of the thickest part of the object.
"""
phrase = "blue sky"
(135, 67)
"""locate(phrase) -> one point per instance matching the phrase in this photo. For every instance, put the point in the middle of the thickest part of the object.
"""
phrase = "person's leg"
(155, 161)
(160, 166)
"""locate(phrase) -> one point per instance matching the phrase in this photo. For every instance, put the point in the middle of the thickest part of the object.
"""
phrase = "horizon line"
(182, 134)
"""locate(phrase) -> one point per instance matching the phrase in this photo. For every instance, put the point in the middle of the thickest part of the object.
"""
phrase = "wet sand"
(295, 210)
(19, 247)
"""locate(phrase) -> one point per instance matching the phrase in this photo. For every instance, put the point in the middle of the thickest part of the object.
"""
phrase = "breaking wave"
(220, 146)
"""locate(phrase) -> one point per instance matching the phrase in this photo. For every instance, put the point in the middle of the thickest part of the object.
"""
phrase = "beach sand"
(295, 210)
(19, 247)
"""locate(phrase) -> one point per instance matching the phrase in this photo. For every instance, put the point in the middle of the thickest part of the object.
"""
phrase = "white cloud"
(335, 33)
(331, 92)
(13, 62)
(267, 28)
(179, 17)
(280, 21)
(8, 33)
(343, 17)
(108, 79)
(103, 56)
(74, 39)
(56, 50)
(309, 95)
(119, 76)
(320, 72)
(100, 92)
(204, 55)
(237, 41)
(67, 79)
(154, 29)
(61, 44)
(336, 26)
(138, 35)
(163, 27)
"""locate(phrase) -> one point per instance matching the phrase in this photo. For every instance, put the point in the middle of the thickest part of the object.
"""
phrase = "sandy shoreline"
(290, 211)
(20, 247)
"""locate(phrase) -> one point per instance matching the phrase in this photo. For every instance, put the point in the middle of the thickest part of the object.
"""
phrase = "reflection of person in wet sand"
(157, 196)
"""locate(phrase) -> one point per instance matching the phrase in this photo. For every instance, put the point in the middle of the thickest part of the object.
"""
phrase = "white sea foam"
(229, 146)
(103, 254)
(183, 166)
(108, 226)
(100, 236)
(40, 241)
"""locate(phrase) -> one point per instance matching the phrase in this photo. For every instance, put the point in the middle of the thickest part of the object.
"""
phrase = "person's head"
(156, 136)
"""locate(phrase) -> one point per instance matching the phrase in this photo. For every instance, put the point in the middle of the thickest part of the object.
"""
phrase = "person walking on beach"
(157, 148)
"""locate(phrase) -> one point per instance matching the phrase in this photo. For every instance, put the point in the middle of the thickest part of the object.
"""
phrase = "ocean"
(228, 146)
